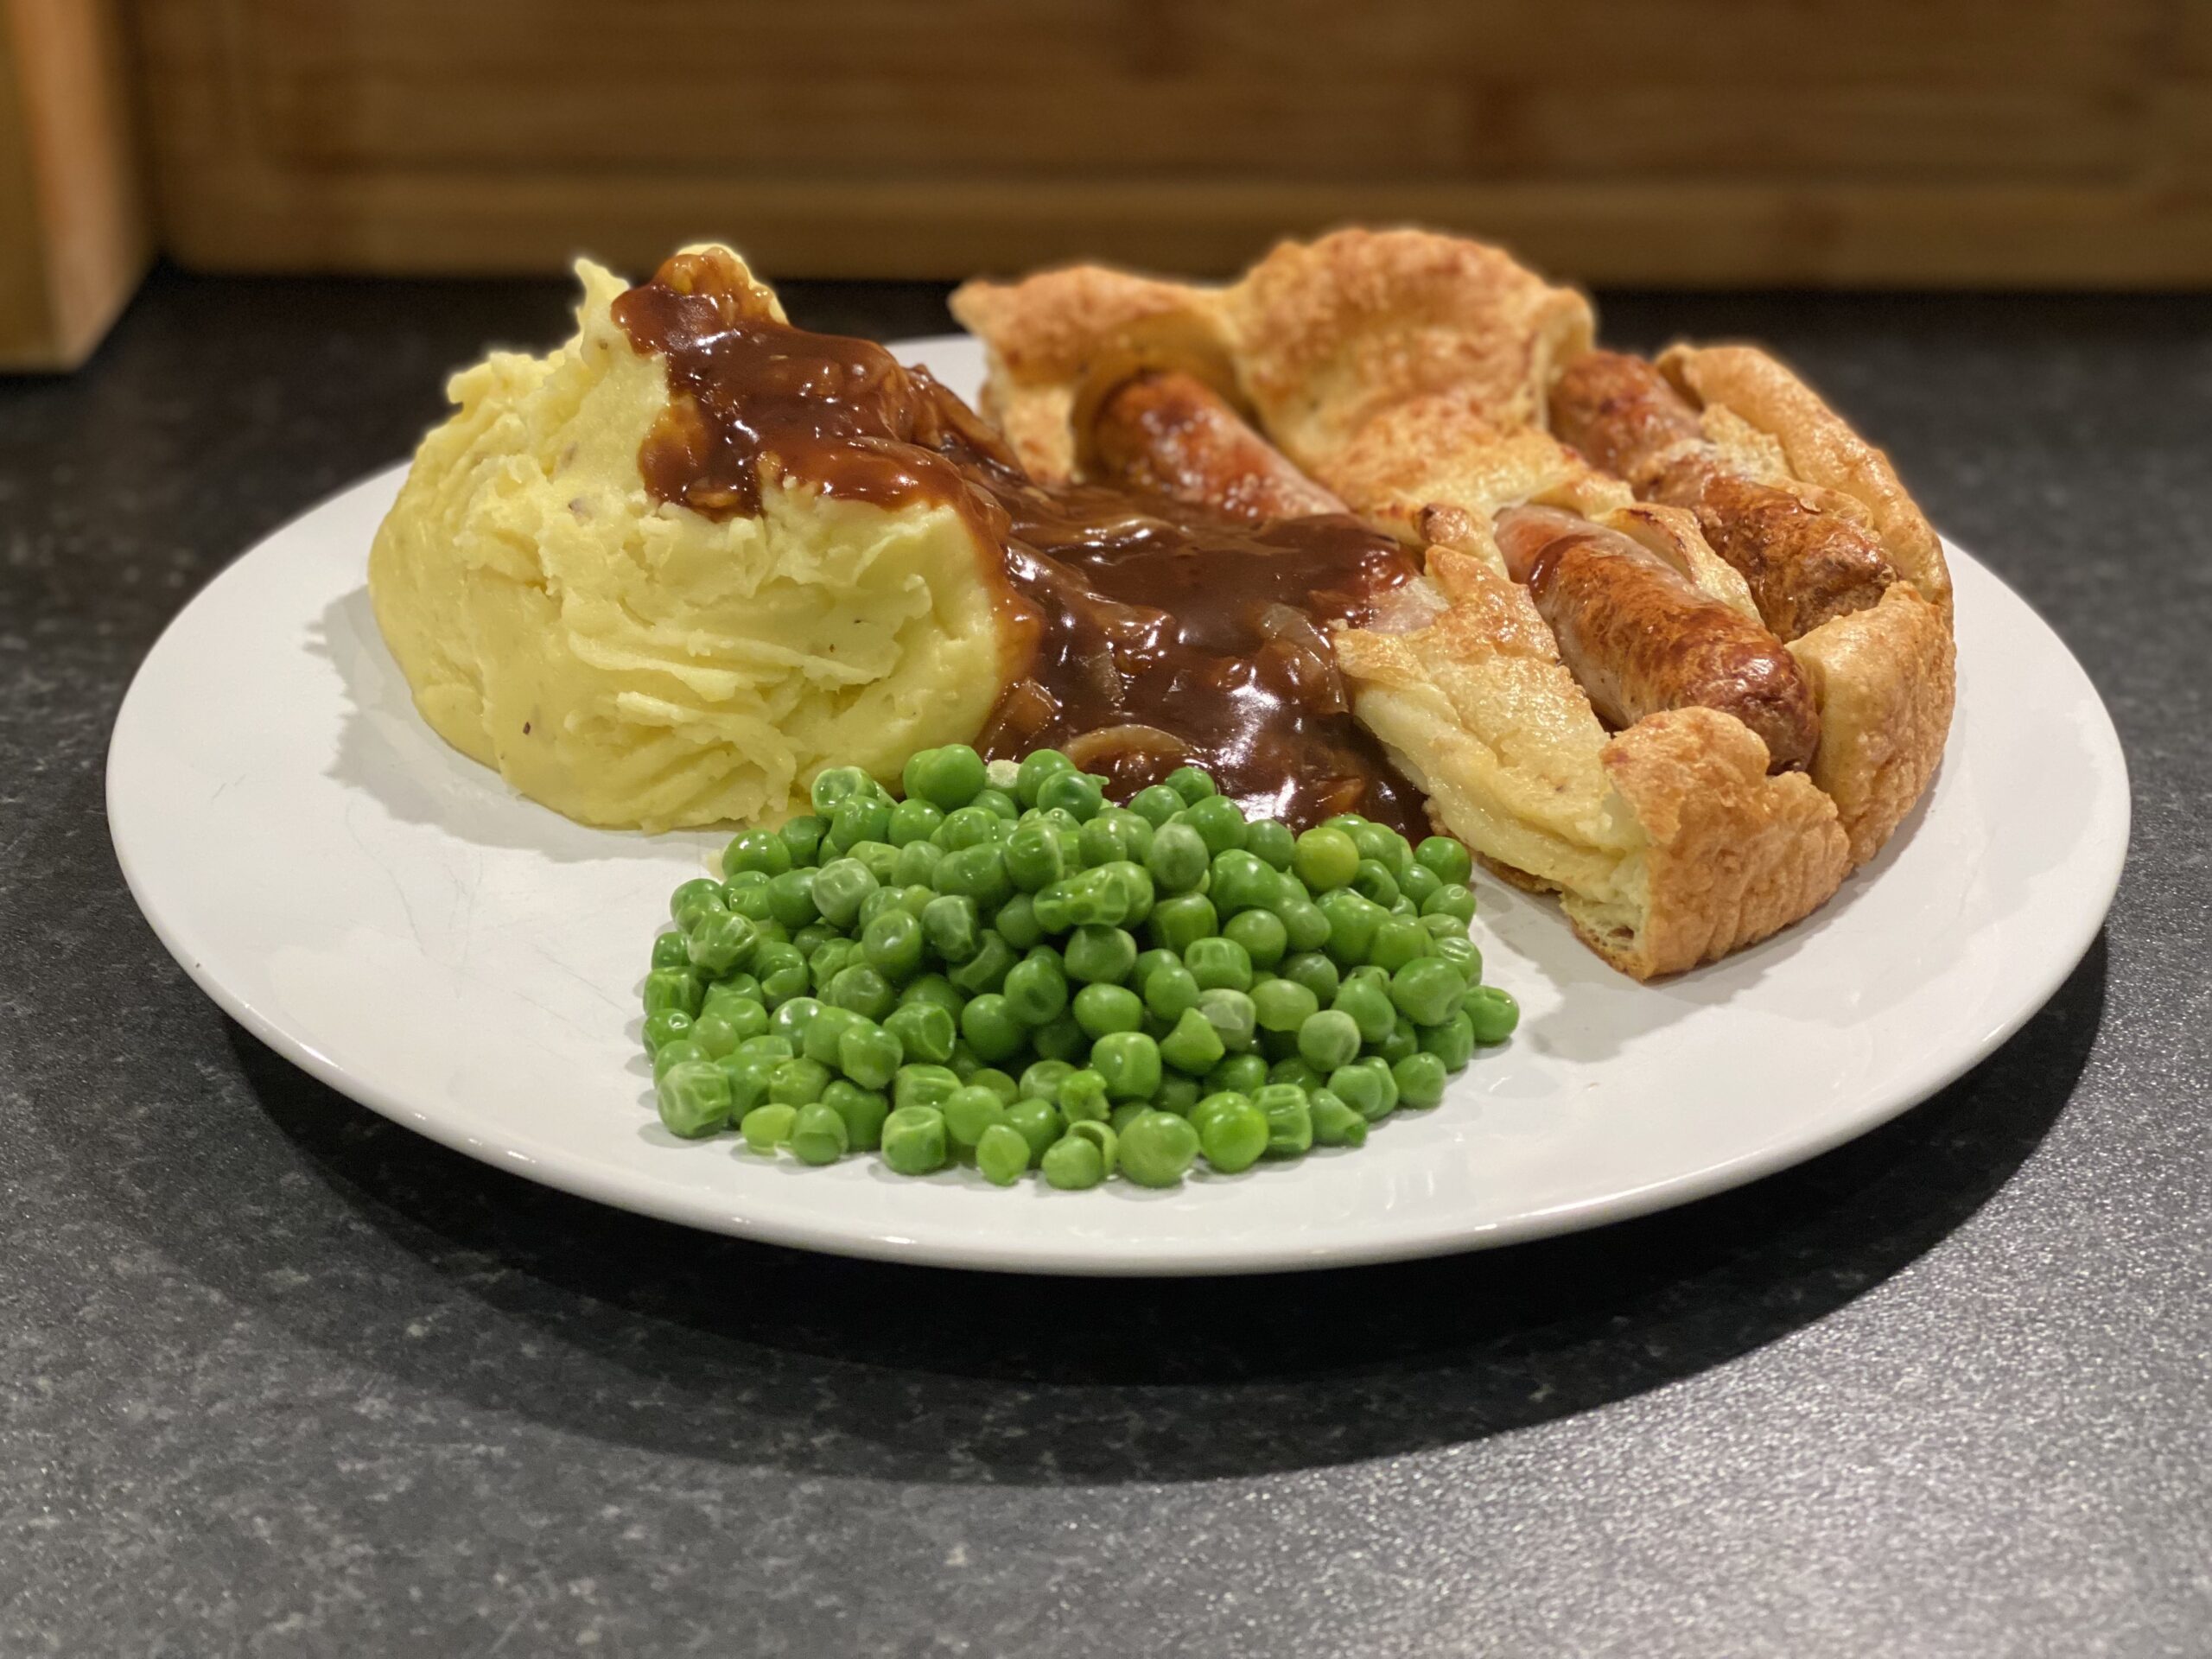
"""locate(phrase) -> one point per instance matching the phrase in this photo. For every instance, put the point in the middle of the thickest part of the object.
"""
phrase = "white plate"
(393, 918)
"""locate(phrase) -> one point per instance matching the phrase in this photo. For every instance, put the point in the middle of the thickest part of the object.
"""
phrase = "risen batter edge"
(1407, 372)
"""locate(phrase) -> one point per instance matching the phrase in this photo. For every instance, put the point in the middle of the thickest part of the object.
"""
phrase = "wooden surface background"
(2010, 142)
(74, 234)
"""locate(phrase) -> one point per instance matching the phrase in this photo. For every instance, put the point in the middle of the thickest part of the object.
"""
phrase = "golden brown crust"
(1058, 336)
(1885, 680)
(1731, 854)
(1820, 447)
(1407, 372)
(1329, 332)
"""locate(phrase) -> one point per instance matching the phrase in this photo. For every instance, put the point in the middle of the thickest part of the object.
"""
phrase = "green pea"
(1461, 954)
(1282, 1005)
(1015, 921)
(1427, 990)
(992, 1028)
(1126, 1114)
(1336, 1122)
(1088, 897)
(1329, 1039)
(925, 1032)
(1041, 1080)
(810, 940)
(1218, 963)
(679, 988)
(1001, 1154)
(1130, 1061)
(1368, 1007)
(1325, 859)
(1192, 1044)
(1421, 1079)
(1261, 935)
(1037, 1122)
(1101, 955)
(720, 943)
(1034, 859)
(1060, 1040)
(859, 818)
(1177, 1093)
(767, 1128)
(1290, 1118)
(671, 950)
(912, 820)
(997, 803)
(1398, 940)
(862, 1110)
(1178, 923)
(1076, 793)
(671, 1055)
(1353, 920)
(999, 1083)
(1036, 990)
(770, 1048)
(1372, 1093)
(1156, 805)
(1104, 1010)
(860, 988)
(802, 836)
(791, 1020)
(1304, 922)
(1170, 992)
(979, 872)
(1293, 1068)
(1453, 1042)
(878, 858)
(971, 1110)
(1383, 844)
(986, 970)
(1156, 1148)
(1239, 880)
(1231, 1014)
(1373, 881)
(831, 957)
(1083, 1096)
(914, 1141)
(916, 865)
(970, 826)
(818, 1135)
(1403, 1039)
(1417, 883)
(1449, 858)
(1072, 1163)
(798, 1083)
(763, 850)
(1190, 783)
(1134, 883)
(1271, 840)
(783, 973)
(1347, 822)
(1102, 841)
(748, 1076)
(924, 1086)
(833, 784)
(747, 895)
(1219, 821)
(1178, 858)
(890, 944)
(839, 887)
(1036, 766)
(1314, 971)
(819, 1042)
(666, 1026)
(1492, 1012)
(950, 925)
(934, 988)
(948, 779)
(869, 1053)
(791, 898)
(1233, 1136)
(1242, 1074)
(693, 1096)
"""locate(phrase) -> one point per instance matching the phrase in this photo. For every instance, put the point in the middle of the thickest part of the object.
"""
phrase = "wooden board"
(1939, 142)
(73, 235)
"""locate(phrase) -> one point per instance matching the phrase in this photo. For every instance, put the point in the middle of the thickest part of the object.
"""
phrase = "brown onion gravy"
(1150, 635)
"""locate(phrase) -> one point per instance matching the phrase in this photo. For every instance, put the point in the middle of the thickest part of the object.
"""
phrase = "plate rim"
(578, 1174)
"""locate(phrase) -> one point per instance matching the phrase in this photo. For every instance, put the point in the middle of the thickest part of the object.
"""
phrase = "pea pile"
(1003, 968)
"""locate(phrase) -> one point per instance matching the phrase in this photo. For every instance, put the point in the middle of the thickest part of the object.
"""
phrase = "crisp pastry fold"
(1408, 374)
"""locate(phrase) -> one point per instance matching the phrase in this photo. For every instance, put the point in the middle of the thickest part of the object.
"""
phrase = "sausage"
(1803, 565)
(1640, 638)
(1169, 434)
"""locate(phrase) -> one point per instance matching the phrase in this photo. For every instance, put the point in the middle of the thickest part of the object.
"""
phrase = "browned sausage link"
(1169, 434)
(1640, 638)
(1804, 566)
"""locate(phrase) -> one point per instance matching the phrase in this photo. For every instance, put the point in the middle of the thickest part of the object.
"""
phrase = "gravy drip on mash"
(1150, 635)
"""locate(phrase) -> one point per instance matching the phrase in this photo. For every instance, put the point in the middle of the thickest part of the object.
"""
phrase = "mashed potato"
(631, 663)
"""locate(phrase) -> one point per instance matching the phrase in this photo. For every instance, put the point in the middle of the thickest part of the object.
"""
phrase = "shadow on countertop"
(445, 1275)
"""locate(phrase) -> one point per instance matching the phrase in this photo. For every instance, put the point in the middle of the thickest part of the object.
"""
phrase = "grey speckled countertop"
(279, 1378)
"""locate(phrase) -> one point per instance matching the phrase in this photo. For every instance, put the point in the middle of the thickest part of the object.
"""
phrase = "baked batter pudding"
(1686, 656)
